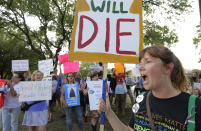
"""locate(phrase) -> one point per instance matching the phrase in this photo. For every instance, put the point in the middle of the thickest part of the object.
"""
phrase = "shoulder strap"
(143, 93)
(34, 103)
(191, 113)
(149, 112)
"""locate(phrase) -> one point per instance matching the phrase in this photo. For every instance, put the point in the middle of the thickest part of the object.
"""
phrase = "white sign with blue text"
(95, 93)
(20, 65)
(72, 96)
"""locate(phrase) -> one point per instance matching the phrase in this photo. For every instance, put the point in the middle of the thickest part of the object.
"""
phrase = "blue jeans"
(10, 116)
(1, 121)
(78, 113)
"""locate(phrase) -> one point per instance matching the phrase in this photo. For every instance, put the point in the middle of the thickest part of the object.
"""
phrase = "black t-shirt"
(128, 87)
(167, 114)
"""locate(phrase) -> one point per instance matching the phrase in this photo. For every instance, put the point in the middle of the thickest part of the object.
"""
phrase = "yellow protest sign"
(107, 31)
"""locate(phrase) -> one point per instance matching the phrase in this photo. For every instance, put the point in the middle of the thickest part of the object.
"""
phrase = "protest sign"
(119, 68)
(130, 81)
(94, 93)
(197, 85)
(47, 79)
(107, 31)
(96, 68)
(45, 66)
(72, 96)
(137, 71)
(63, 58)
(35, 90)
(71, 67)
(20, 65)
(2, 83)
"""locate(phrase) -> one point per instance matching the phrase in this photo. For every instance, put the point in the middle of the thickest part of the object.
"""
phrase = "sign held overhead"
(107, 31)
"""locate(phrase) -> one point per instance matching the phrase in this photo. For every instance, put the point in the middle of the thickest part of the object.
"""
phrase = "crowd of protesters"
(41, 112)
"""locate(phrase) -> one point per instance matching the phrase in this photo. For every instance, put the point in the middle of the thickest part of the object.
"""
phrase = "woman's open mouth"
(144, 78)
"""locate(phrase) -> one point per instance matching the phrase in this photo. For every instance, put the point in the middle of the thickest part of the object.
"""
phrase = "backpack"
(190, 121)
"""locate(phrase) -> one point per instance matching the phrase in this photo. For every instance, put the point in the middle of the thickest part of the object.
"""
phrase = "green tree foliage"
(156, 34)
(55, 16)
(13, 49)
(197, 39)
(85, 68)
(157, 15)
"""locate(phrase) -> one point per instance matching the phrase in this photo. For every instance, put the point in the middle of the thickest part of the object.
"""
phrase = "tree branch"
(15, 36)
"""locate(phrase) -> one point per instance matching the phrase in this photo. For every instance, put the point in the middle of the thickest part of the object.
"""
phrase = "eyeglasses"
(69, 76)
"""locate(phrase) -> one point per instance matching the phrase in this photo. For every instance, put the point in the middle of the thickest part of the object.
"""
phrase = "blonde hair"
(34, 74)
(178, 77)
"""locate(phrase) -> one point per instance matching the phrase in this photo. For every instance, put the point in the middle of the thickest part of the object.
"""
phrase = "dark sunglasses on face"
(69, 76)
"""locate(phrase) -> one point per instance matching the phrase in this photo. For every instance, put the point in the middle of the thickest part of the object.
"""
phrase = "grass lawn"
(59, 124)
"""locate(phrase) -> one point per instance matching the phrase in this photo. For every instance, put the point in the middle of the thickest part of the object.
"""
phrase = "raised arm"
(60, 72)
(114, 121)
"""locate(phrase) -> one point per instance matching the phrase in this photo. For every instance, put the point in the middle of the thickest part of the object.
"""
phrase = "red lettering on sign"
(107, 37)
(80, 44)
(118, 34)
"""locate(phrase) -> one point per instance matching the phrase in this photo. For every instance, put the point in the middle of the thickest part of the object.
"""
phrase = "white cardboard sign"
(95, 93)
(197, 85)
(20, 65)
(96, 68)
(47, 79)
(130, 81)
(45, 66)
(35, 91)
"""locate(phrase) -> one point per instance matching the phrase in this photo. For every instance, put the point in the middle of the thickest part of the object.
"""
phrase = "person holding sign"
(37, 114)
(93, 114)
(71, 102)
(165, 106)
(120, 93)
(11, 108)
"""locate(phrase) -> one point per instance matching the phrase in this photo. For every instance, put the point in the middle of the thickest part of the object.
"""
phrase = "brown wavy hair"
(178, 77)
